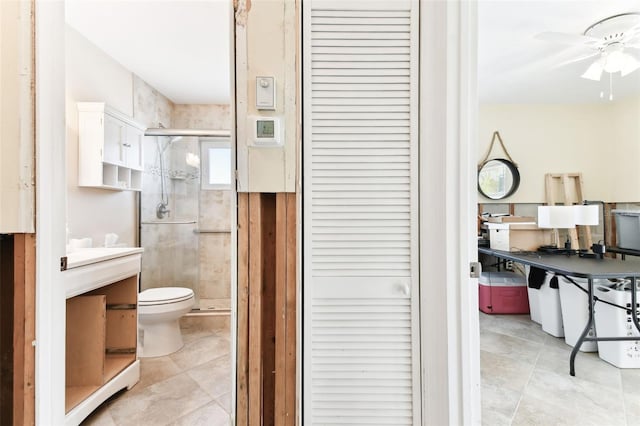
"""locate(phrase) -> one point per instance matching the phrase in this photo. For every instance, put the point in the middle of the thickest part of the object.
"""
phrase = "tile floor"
(191, 387)
(526, 381)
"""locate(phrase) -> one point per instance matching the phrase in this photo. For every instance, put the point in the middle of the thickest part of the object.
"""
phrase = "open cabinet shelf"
(101, 344)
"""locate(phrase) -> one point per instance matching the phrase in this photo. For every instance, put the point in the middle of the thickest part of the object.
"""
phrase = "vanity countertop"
(86, 256)
(91, 268)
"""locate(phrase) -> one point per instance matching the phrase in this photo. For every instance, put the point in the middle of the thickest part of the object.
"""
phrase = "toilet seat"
(164, 296)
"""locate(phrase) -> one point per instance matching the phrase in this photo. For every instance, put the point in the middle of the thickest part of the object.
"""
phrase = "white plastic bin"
(575, 310)
(550, 310)
(544, 306)
(627, 228)
(616, 322)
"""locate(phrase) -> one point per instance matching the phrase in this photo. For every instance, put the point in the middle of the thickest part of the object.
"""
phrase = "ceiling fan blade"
(566, 38)
(629, 64)
(594, 72)
(577, 59)
(632, 33)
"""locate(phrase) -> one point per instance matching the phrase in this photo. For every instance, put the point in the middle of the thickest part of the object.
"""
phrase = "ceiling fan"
(613, 41)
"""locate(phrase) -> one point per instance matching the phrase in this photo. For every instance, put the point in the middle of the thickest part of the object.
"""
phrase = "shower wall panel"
(215, 245)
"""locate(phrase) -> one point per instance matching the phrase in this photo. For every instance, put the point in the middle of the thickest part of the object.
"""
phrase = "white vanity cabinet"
(101, 327)
(110, 147)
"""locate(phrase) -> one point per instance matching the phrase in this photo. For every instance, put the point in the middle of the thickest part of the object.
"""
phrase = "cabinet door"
(114, 134)
(133, 147)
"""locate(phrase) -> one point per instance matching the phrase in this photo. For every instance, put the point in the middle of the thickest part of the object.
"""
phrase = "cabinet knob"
(128, 145)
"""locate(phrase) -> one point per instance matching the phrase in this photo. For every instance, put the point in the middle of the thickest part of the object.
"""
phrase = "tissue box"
(503, 293)
(518, 236)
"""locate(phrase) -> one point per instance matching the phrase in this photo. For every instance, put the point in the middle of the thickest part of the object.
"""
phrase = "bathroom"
(183, 215)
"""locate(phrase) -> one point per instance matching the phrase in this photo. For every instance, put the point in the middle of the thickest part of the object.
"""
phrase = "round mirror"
(498, 178)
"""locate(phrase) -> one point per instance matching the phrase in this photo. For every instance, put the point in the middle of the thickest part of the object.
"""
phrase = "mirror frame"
(514, 173)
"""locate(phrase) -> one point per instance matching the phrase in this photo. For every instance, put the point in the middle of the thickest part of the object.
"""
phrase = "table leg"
(576, 348)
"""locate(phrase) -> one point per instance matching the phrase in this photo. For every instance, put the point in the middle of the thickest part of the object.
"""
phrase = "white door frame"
(448, 105)
(51, 214)
(50, 211)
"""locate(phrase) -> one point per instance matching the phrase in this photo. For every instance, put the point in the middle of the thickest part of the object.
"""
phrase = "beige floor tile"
(631, 381)
(514, 347)
(201, 351)
(588, 365)
(632, 409)
(160, 403)
(154, 370)
(225, 401)
(583, 401)
(214, 377)
(211, 414)
(556, 342)
(519, 326)
(504, 372)
(538, 412)
(100, 417)
(498, 405)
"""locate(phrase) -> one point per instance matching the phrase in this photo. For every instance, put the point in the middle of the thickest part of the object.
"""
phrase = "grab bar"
(177, 222)
(211, 231)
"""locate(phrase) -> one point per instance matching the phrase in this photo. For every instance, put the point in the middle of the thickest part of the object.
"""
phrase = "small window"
(216, 164)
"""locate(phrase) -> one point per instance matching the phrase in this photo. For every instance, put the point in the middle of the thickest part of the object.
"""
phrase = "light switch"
(266, 93)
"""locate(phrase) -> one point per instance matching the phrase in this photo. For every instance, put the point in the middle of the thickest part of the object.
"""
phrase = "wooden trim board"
(266, 351)
(268, 315)
(255, 309)
(24, 330)
(242, 364)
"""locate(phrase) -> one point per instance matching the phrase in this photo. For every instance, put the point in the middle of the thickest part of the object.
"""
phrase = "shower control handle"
(162, 211)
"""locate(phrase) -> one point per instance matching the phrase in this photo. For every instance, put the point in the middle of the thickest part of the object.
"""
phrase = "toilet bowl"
(159, 312)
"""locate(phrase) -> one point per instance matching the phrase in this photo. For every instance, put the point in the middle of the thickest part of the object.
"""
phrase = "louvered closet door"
(361, 336)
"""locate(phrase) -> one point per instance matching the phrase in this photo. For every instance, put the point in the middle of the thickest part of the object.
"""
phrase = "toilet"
(159, 312)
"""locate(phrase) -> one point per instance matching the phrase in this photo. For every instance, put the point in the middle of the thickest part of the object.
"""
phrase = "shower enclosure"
(185, 220)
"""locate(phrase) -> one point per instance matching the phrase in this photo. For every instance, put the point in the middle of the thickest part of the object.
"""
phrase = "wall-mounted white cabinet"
(110, 148)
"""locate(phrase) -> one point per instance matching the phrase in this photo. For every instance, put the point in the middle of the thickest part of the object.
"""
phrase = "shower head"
(170, 141)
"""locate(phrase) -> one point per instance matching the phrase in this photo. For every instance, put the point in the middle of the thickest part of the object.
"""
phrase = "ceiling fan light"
(629, 65)
(595, 70)
(614, 61)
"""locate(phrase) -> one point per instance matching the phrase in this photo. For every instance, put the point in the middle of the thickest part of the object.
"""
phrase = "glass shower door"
(170, 239)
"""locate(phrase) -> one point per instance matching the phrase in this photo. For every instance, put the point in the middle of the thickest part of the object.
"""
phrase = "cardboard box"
(511, 219)
(518, 236)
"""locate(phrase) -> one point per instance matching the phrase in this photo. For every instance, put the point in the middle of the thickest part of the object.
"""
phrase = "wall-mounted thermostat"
(265, 93)
(266, 131)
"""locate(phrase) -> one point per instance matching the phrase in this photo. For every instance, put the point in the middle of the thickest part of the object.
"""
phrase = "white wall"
(622, 148)
(91, 75)
(600, 140)
(266, 46)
